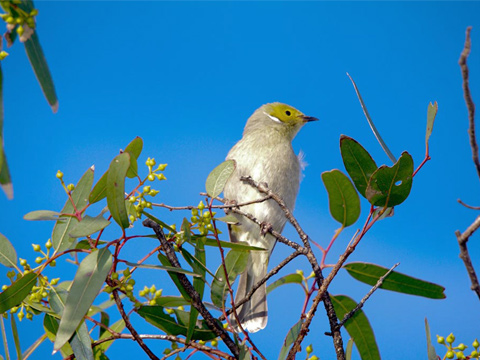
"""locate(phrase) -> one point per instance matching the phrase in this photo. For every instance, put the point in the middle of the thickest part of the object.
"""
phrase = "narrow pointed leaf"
(17, 292)
(219, 176)
(61, 239)
(88, 226)
(171, 301)
(116, 189)
(88, 281)
(229, 219)
(348, 349)
(159, 222)
(173, 275)
(390, 186)
(287, 279)
(290, 339)
(358, 327)
(41, 215)
(105, 320)
(99, 191)
(395, 281)
(198, 284)
(156, 316)
(235, 263)
(342, 197)
(358, 163)
(431, 114)
(158, 267)
(81, 343)
(16, 338)
(195, 263)
(50, 325)
(134, 149)
(240, 246)
(372, 125)
(118, 327)
(432, 355)
(42, 72)
(8, 255)
(5, 180)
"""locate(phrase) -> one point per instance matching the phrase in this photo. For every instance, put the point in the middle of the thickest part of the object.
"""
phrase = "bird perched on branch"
(264, 153)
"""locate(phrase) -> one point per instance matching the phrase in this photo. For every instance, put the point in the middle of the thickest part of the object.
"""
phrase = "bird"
(265, 154)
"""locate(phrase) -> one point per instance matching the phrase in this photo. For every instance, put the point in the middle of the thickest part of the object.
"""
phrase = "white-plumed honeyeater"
(265, 153)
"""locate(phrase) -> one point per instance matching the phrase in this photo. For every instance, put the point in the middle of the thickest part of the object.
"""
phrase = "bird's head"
(277, 116)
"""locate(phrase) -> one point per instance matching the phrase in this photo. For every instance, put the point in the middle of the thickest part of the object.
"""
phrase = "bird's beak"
(308, 118)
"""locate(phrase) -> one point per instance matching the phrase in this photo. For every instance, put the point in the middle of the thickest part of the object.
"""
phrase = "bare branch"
(465, 255)
(468, 99)
(196, 300)
(228, 206)
(468, 206)
(365, 298)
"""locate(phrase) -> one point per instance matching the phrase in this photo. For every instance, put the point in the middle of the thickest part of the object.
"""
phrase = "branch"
(195, 297)
(365, 298)
(468, 99)
(327, 302)
(465, 255)
(468, 206)
(226, 206)
(130, 327)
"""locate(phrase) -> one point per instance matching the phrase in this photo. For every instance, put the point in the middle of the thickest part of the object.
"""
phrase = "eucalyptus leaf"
(198, 285)
(358, 327)
(61, 239)
(287, 279)
(118, 327)
(88, 226)
(8, 255)
(432, 355)
(50, 325)
(174, 276)
(134, 149)
(86, 285)
(229, 219)
(5, 179)
(290, 339)
(395, 281)
(42, 215)
(99, 191)
(240, 246)
(235, 264)
(358, 162)
(390, 186)
(219, 176)
(17, 292)
(342, 197)
(431, 114)
(116, 189)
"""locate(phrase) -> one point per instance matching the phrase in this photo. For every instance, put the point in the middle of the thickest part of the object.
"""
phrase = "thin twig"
(468, 206)
(327, 302)
(365, 298)
(195, 297)
(130, 327)
(227, 206)
(468, 99)
(465, 255)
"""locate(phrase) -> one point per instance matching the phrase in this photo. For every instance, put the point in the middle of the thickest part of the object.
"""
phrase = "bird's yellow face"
(283, 113)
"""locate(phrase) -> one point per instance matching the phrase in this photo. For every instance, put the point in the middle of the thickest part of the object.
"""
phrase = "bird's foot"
(230, 204)
(265, 228)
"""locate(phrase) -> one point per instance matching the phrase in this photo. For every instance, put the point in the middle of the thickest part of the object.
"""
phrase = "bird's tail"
(253, 314)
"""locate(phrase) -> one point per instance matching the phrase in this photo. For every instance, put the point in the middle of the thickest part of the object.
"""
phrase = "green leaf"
(41, 215)
(8, 255)
(105, 320)
(395, 281)
(343, 199)
(198, 285)
(50, 324)
(88, 281)
(195, 263)
(219, 176)
(432, 355)
(81, 343)
(431, 113)
(5, 180)
(229, 219)
(235, 263)
(287, 279)
(290, 339)
(158, 267)
(17, 292)
(372, 125)
(358, 327)
(42, 72)
(116, 189)
(99, 191)
(159, 222)
(358, 163)
(61, 239)
(348, 349)
(240, 246)
(156, 316)
(85, 245)
(89, 225)
(390, 186)
(16, 338)
(171, 301)
(117, 327)
(134, 149)
(174, 276)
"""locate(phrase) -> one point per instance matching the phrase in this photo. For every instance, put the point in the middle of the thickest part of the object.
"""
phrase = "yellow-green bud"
(3, 55)
(476, 344)
(460, 355)
(201, 206)
(23, 262)
(440, 339)
(169, 311)
(126, 272)
(162, 167)
(36, 247)
(53, 263)
(309, 349)
(48, 244)
(161, 177)
(21, 315)
(450, 354)
(151, 177)
(10, 20)
(146, 189)
(39, 259)
(59, 174)
(180, 308)
(70, 187)
(158, 293)
(54, 281)
(314, 357)
(34, 12)
(450, 338)
(214, 342)
(461, 347)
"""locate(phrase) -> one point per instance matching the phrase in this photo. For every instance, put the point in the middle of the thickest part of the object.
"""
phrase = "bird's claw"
(230, 204)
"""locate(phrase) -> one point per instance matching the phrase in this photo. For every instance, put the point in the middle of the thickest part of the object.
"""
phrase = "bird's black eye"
(288, 113)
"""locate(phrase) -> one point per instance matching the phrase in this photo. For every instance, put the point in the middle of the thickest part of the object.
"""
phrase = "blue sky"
(185, 76)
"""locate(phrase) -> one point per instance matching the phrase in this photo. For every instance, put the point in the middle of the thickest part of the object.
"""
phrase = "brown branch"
(191, 344)
(227, 206)
(468, 206)
(327, 302)
(195, 297)
(465, 255)
(130, 327)
(468, 99)
(365, 298)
